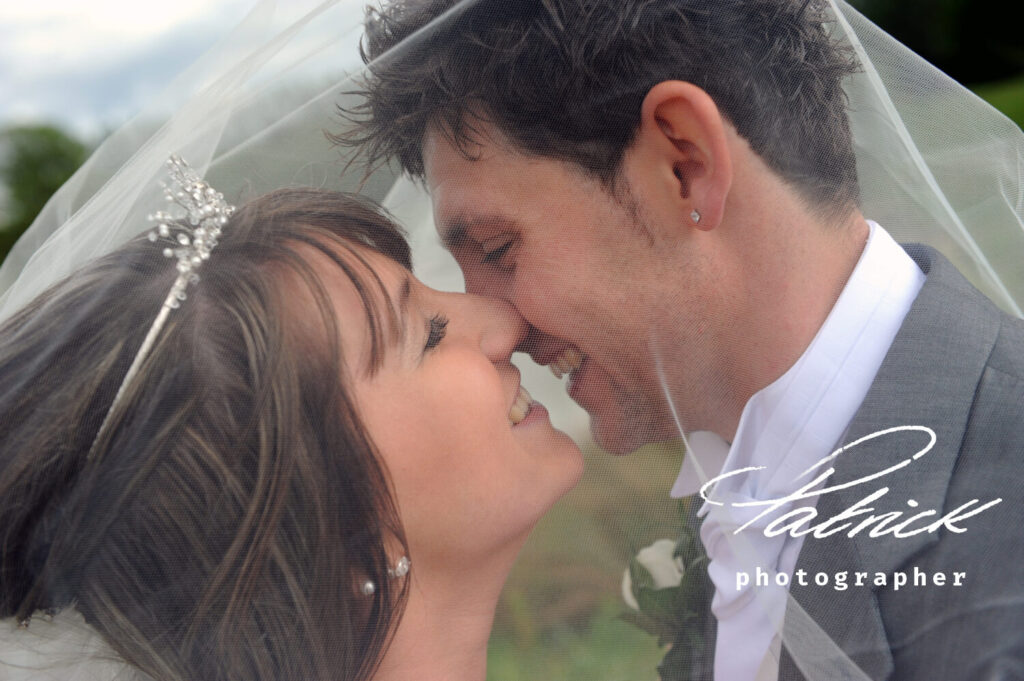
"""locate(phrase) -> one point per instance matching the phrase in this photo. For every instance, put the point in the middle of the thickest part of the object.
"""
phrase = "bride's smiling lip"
(517, 384)
(537, 412)
(523, 406)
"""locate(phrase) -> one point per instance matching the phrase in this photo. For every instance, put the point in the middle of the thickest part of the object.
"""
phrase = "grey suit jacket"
(957, 367)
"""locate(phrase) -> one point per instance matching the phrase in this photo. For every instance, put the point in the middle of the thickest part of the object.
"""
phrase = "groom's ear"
(683, 152)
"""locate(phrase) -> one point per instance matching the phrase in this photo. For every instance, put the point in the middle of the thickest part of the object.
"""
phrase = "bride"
(322, 469)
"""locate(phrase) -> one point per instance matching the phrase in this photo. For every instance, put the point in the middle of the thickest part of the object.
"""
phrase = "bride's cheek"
(470, 383)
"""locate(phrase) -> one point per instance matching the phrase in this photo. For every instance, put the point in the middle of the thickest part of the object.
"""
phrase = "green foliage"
(605, 649)
(34, 162)
(1007, 96)
(971, 40)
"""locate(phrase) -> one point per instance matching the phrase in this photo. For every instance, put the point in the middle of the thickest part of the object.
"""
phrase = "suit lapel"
(928, 378)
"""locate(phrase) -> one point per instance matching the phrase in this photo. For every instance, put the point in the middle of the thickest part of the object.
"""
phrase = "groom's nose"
(485, 281)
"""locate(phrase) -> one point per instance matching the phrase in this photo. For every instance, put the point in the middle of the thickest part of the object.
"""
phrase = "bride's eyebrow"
(404, 294)
(403, 305)
(383, 334)
(402, 310)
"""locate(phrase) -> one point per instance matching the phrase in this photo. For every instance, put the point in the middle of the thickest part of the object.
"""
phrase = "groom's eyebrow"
(455, 234)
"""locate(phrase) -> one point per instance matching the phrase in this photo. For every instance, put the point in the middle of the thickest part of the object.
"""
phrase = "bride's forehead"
(363, 290)
(355, 272)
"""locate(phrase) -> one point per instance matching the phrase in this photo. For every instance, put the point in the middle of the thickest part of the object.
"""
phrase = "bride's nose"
(501, 328)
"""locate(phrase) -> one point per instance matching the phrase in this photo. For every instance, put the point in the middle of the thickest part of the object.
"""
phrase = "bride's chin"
(573, 472)
(572, 478)
(570, 461)
(569, 477)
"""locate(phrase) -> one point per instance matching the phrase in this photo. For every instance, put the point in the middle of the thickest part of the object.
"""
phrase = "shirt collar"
(797, 419)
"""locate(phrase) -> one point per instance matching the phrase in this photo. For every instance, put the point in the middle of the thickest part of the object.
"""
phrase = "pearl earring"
(695, 215)
(401, 569)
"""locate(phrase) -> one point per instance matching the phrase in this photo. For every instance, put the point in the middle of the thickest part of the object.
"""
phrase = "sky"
(89, 65)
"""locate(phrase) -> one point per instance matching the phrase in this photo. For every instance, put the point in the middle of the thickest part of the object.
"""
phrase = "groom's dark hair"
(565, 79)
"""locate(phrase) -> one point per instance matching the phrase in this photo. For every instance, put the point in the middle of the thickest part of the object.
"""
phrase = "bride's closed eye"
(437, 326)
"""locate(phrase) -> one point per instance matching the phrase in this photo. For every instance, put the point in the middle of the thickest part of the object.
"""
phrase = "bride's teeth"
(567, 361)
(521, 407)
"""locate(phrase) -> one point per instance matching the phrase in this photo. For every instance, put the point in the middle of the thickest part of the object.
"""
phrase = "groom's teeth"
(521, 407)
(567, 361)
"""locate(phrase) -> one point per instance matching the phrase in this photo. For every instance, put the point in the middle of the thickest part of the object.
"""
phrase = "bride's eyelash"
(438, 325)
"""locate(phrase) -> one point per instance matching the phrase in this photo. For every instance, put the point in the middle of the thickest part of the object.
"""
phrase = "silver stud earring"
(401, 568)
(695, 215)
(369, 588)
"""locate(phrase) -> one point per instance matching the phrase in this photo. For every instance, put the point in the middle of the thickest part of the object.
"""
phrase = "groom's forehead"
(472, 191)
(495, 188)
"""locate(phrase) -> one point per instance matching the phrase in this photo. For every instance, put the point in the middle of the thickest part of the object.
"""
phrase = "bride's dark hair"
(224, 526)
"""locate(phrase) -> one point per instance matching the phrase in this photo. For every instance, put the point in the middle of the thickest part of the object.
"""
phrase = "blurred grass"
(1007, 96)
(558, 618)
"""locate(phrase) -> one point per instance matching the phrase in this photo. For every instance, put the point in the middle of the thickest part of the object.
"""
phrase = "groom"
(667, 192)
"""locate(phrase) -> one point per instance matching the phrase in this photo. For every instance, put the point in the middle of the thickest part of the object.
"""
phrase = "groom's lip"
(530, 341)
(576, 383)
(548, 356)
(543, 350)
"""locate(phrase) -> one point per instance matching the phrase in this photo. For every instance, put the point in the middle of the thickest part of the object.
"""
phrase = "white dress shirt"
(786, 428)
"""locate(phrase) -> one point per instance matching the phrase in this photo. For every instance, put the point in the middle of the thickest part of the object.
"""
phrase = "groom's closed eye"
(493, 255)
(488, 231)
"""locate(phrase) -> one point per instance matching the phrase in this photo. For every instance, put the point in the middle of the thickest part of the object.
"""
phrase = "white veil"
(936, 165)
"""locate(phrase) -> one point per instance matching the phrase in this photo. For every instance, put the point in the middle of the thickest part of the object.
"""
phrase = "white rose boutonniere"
(664, 568)
(667, 587)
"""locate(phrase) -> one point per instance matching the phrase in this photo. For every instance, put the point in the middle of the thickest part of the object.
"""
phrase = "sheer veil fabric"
(936, 165)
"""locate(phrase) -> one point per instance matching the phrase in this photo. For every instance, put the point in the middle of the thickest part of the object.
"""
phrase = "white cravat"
(786, 428)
